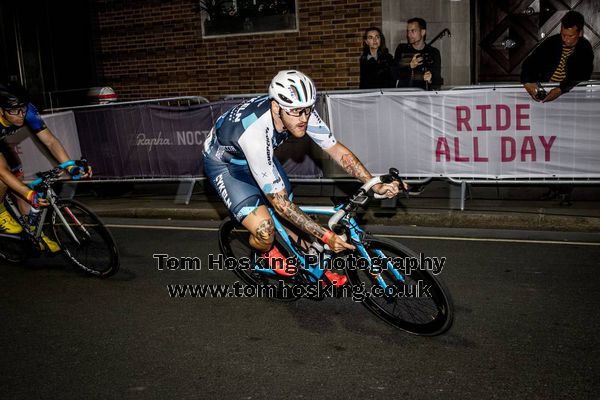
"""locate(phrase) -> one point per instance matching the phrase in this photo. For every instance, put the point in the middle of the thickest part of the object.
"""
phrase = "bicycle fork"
(66, 224)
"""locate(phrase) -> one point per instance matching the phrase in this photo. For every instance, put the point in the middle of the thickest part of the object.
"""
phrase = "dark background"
(148, 49)
(48, 46)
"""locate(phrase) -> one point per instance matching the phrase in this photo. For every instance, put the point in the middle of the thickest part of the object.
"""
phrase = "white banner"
(480, 133)
(34, 155)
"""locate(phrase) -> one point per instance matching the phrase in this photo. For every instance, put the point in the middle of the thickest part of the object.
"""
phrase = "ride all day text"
(493, 118)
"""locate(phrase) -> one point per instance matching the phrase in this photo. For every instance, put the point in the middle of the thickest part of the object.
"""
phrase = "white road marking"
(164, 227)
(465, 239)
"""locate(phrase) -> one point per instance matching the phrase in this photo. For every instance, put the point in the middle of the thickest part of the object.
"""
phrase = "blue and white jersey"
(246, 135)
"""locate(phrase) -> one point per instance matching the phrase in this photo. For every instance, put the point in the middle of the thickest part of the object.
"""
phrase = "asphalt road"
(526, 326)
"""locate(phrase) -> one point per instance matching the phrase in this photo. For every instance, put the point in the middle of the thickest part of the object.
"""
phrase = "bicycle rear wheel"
(419, 304)
(234, 243)
(84, 239)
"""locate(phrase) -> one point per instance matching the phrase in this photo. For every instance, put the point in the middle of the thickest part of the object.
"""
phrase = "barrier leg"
(463, 192)
(68, 191)
(184, 192)
(454, 195)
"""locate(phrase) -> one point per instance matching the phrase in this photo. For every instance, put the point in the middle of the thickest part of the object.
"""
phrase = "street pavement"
(525, 305)
(438, 205)
(525, 316)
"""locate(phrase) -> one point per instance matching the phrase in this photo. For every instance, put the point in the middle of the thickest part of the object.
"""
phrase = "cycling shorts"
(237, 188)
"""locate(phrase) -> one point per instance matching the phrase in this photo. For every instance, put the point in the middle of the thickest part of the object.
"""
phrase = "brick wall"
(154, 48)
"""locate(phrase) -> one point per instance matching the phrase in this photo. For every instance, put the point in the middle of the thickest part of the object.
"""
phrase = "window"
(245, 17)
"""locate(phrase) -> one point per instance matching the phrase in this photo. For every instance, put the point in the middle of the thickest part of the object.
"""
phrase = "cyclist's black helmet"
(13, 95)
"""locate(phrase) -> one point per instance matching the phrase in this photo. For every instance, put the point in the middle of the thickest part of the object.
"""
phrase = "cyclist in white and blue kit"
(240, 163)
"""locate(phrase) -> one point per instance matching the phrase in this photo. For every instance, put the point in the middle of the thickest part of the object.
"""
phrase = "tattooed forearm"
(354, 167)
(294, 214)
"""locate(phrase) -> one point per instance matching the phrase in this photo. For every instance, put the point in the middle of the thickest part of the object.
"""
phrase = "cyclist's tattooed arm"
(349, 162)
(352, 165)
(294, 214)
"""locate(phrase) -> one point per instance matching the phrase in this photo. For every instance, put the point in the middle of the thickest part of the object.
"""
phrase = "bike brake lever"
(406, 194)
(395, 174)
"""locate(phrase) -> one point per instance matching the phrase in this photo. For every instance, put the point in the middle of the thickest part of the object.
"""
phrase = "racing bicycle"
(413, 299)
(83, 239)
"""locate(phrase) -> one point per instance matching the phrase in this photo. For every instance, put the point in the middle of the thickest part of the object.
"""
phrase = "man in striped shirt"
(567, 58)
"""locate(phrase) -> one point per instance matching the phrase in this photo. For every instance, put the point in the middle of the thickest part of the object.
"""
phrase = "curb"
(520, 221)
(164, 213)
(446, 219)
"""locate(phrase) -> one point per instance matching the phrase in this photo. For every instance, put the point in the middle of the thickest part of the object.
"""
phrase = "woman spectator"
(375, 61)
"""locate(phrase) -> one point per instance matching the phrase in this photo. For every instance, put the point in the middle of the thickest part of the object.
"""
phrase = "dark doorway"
(48, 46)
(509, 29)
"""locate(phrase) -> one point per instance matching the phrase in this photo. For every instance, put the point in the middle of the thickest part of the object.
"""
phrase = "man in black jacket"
(567, 58)
(417, 64)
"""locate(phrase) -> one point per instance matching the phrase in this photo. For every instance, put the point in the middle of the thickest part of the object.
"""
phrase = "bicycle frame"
(52, 197)
(342, 214)
(21, 218)
(317, 269)
(412, 300)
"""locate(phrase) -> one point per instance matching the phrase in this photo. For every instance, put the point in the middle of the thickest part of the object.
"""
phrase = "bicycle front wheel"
(84, 239)
(414, 301)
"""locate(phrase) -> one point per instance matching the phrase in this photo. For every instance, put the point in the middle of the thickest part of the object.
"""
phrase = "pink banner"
(483, 133)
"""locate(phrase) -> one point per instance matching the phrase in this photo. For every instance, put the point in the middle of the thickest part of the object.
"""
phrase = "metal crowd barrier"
(464, 183)
(167, 101)
(187, 183)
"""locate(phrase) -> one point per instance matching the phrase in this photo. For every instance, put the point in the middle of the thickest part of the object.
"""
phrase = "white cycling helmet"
(292, 89)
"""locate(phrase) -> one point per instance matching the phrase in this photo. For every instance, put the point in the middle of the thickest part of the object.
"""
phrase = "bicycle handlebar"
(390, 177)
(393, 175)
(56, 171)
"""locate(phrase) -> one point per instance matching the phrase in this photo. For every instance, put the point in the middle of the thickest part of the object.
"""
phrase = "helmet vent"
(285, 99)
(304, 90)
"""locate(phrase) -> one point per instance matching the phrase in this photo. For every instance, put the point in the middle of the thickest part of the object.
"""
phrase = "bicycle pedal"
(329, 277)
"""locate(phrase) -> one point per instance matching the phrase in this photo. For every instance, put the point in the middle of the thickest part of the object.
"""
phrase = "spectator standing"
(566, 58)
(375, 61)
(417, 64)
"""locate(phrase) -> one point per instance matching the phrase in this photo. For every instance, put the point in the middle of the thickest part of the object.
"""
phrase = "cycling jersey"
(239, 154)
(246, 135)
(33, 120)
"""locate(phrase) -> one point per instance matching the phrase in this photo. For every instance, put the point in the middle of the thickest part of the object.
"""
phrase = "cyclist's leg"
(262, 230)
(25, 207)
(244, 199)
(13, 162)
(259, 217)
(240, 194)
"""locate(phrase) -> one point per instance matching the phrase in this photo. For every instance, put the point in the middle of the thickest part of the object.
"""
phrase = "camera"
(427, 59)
(427, 63)
(540, 93)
